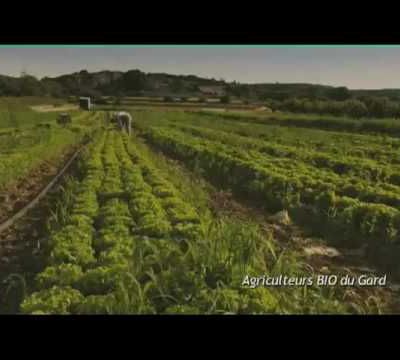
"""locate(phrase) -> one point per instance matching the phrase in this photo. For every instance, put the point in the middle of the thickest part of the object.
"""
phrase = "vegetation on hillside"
(302, 98)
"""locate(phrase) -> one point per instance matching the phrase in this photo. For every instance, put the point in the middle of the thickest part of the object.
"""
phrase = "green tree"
(377, 106)
(225, 99)
(312, 92)
(355, 108)
(396, 111)
(177, 85)
(53, 88)
(118, 100)
(10, 87)
(30, 86)
(339, 93)
(273, 104)
(133, 80)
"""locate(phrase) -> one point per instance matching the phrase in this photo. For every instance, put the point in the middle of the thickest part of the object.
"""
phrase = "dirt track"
(50, 108)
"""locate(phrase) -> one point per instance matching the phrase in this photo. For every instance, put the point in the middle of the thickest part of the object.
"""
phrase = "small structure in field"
(84, 103)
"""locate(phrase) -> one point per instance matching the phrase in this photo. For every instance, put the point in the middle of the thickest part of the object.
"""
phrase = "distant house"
(212, 90)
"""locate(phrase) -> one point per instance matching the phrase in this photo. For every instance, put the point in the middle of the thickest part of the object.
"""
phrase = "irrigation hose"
(5, 225)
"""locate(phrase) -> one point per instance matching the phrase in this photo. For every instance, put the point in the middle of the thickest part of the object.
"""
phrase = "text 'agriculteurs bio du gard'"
(319, 280)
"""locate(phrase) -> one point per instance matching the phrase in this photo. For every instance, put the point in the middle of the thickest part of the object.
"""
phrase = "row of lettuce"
(352, 211)
(365, 169)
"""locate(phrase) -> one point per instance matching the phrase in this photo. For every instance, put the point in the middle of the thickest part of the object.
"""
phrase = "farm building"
(84, 103)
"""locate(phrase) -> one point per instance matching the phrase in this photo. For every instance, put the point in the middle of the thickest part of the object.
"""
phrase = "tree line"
(377, 107)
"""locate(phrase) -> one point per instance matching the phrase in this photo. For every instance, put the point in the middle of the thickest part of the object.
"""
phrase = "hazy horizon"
(353, 67)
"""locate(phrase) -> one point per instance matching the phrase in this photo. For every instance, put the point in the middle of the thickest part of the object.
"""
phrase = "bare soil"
(50, 108)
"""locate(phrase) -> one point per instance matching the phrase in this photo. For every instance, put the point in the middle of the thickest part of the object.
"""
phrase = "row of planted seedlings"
(165, 226)
(183, 219)
(70, 249)
(104, 284)
(348, 221)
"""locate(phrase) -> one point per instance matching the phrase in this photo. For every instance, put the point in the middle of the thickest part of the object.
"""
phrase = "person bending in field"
(124, 121)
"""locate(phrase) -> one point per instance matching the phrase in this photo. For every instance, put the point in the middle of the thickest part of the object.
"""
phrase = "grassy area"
(16, 112)
(20, 119)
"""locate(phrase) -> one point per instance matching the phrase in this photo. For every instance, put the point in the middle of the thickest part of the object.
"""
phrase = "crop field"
(344, 186)
(132, 243)
(173, 218)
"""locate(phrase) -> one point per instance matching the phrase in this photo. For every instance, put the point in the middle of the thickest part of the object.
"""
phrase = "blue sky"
(354, 67)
